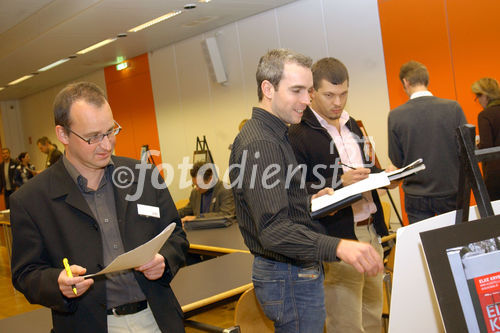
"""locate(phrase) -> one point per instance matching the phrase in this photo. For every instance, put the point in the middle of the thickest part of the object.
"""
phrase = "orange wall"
(457, 41)
(130, 96)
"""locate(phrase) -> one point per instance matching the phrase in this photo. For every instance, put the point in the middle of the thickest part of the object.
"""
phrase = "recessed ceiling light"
(204, 1)
(54, 64)
(20, 79)
(95, 46)
(2, 88)
(156, 20)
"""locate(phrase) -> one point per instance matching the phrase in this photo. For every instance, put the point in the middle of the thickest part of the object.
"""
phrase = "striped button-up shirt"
(272, 203)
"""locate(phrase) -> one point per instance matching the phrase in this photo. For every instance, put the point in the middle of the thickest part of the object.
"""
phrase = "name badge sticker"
(146, 210)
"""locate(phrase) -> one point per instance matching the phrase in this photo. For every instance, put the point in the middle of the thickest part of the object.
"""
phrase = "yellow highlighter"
(68, 271)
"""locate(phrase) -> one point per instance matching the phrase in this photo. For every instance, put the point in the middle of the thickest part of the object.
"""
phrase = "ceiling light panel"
(20, 79)
(96, 46)
(156, 20)
(54, 64)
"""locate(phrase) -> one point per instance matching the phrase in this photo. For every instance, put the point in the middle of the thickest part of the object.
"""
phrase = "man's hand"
(326, 190)
(154, 269)
(394, 183)
(362, 256)
(81, 284)
(354, 176)
(188, 218)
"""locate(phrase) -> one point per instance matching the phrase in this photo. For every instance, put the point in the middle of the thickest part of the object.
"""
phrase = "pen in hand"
(350, 167)
(68, 272)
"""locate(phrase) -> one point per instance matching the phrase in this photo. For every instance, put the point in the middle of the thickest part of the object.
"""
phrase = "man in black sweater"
(425, 127)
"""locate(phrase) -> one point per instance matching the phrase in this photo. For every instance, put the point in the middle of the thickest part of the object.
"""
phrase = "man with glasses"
(75, 210)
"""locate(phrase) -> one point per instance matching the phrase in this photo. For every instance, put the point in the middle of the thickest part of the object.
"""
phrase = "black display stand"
(377, 164)
(145, 153)
(470, 175)
(202, 152)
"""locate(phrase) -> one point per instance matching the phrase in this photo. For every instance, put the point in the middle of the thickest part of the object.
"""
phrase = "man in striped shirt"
(273, 206)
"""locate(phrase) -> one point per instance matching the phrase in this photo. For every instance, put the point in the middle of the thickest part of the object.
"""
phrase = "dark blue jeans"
(421, 208)
(292, 297)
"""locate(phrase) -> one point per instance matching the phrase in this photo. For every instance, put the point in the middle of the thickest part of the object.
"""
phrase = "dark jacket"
(22, 174)
(311, 143)
(222, 203)
(488, 122)
(12, 173)
(51, 220)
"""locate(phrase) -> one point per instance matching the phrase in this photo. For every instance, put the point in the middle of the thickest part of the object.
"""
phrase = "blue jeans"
(421, 208)
(291, 296)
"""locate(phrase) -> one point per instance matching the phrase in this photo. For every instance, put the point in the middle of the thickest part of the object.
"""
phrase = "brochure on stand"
(347, 195)
(138, 256)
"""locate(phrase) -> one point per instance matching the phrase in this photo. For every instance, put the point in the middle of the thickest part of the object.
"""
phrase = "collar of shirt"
(420, 94)
(344, 118)
(270, 120)
(81, 181)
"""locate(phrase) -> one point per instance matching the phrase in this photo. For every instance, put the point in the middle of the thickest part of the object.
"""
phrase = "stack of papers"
(138, 256)
(346, 196)
(408, 170)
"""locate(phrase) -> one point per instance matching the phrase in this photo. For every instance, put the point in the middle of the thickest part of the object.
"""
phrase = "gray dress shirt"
(121, 287)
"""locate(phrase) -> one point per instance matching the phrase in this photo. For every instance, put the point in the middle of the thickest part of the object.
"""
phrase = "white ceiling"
(36, 33)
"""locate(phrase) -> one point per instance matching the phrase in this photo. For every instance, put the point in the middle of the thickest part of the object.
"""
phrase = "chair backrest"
(181, 203)
(386, 208)
(248, 315)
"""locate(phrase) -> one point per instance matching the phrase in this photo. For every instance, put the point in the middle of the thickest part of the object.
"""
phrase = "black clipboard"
(322, 212)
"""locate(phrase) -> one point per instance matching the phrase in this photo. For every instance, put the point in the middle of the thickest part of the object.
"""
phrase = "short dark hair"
(331, 70)
(22, 155)
(208, 172)
(415, 73)
(87, 91)
(43, 141)
(271, 67)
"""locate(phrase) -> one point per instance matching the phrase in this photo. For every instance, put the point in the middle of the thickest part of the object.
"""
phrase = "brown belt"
(365, 222)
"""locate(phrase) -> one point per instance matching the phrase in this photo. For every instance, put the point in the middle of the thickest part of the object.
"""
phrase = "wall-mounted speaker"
(214, 60)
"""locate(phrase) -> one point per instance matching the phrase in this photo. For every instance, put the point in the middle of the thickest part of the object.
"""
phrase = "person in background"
(209, 197)
(425, 127)
(273, 207)
(76, 209)
(50, 149)
(327, 135)
(8, 171)
(24, 170)
(487, 93)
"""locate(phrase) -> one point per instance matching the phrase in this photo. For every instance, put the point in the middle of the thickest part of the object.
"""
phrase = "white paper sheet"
(374, 180)
(138, 256)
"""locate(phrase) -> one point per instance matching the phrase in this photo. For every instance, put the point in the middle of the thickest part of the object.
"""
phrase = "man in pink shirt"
(326, 137)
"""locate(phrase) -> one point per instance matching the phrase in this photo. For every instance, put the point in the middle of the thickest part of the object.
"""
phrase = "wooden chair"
(181, 203)
(248, 315)
(390, 251)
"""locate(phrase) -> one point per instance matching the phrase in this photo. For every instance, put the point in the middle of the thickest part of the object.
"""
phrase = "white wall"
(189, 103)
(37, 118)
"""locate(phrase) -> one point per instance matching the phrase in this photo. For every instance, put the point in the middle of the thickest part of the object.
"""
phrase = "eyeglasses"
(477, 96)
(99, 137)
